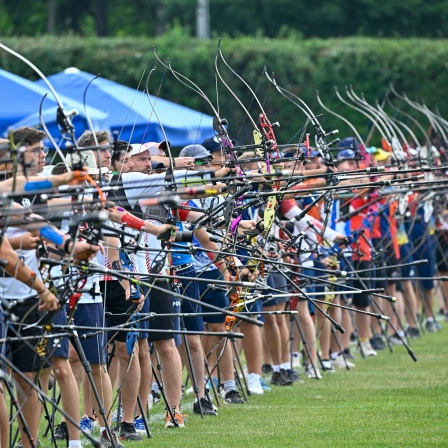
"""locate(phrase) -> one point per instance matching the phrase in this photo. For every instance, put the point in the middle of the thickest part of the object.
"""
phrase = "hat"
(212, 144)
(381, 155)
(345, 154)
(59, 168)
(287, 154)
(372, 149)
(196, 151)
(349, 142)
(88, 159)
(309, 152)
(137, 148)
(154, 147)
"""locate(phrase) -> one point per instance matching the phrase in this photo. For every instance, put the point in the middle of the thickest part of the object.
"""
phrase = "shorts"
(144, 324)
(121, 309)
(280, 285)
(254, 307)
(161, 302)
(176, 319)
(190, 288)
(386, 257)
(407, 257)
(95, 347)
(425, 251)
(59, 347)
(361, 300)
(23, 352)
(346, 266)
(210, 296)
(442, 251)
(315, 286)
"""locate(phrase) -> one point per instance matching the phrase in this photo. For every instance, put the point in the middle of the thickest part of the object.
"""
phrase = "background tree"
(310, 18)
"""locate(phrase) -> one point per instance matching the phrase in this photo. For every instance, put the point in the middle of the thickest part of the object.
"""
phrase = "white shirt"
(10, 288)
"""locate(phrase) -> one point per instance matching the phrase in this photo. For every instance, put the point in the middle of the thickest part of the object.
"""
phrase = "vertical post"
(203, 19)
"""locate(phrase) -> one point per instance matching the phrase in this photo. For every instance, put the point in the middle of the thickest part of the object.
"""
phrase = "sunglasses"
(206, 161)
(36, 151)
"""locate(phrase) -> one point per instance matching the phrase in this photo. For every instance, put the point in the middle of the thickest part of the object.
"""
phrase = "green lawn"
(388, 401)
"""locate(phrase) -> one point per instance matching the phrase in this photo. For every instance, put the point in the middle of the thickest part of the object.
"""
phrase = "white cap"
(137, 148)
(153, 148)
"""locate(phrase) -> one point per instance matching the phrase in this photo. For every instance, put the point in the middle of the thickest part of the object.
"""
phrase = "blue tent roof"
(21, 99)
(130, 112)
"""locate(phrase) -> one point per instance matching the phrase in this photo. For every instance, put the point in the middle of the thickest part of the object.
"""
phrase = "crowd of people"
(127, 273)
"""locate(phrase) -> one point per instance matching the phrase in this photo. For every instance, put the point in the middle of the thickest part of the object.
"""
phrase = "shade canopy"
(131, 113)
(20, 102)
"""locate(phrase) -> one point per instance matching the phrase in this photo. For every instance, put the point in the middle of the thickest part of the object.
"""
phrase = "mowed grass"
(387, 401)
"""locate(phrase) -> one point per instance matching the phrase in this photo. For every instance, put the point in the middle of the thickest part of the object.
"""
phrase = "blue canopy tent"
(131, 113)
(21, 99)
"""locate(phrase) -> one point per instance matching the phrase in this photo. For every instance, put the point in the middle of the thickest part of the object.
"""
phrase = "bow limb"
(63, 120)
(400, 123)
(261, 138)
(410, 117)
(321, 135)
(379, 117)
(89, 121)
(369, 110)
(170, 172)
(347, 122)
(361, 111)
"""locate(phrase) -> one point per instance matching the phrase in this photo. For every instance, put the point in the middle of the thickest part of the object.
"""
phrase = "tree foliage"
(416, 66)
(311, 18)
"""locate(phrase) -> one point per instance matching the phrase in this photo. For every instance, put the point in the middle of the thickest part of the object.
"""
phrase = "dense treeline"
(272, 18)
(416, 66)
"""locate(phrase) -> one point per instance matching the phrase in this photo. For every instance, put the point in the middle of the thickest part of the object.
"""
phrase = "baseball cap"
(195, 151)
(88, 159)
(309, 152)
(155, 147)
(349, 142)
(152, 147)
(287, 154)
(381, 155)
(345, 154)
(211, 144)
(378, 153)
(137, 148)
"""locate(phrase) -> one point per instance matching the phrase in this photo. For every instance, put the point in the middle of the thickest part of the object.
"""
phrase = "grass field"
(387, 401)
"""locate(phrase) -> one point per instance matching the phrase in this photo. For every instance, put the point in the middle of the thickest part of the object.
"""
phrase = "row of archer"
(344, 158)
(130, 193)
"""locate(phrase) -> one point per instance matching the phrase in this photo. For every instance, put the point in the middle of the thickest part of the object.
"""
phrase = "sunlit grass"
(388, 401)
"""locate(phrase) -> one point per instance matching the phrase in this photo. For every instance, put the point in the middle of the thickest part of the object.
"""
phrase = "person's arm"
(307, 186)
(178, 162)
(290, 210)
(38, 227)
(202, 191)
(27, 241)
(35, 184)
(16, 268)
(203, 238)
(112, 252)
(121, 216)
